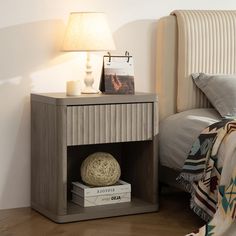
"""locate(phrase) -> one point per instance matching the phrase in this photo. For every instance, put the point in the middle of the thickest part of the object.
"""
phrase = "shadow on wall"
(139, 38)
(24, 48)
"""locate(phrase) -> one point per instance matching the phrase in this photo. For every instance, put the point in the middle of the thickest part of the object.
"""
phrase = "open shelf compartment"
(137, 168)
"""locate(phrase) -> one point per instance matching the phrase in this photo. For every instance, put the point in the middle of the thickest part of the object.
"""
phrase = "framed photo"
(118, 75)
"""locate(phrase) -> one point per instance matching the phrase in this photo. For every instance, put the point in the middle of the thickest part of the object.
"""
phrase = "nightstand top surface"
(85, 99)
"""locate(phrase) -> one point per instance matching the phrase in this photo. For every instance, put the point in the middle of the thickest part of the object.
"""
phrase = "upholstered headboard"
(167, 65)
(188, 42)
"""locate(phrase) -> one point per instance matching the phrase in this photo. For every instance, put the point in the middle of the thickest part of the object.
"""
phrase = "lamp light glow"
(88, 31)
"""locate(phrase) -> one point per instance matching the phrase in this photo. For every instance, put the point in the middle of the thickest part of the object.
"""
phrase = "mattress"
(178, 133)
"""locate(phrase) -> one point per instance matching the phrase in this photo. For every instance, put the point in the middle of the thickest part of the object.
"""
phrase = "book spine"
(101, 200)
(103, 190)
(78, 190)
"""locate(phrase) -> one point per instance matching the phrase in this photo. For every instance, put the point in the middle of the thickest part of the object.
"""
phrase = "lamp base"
(90, 90)
(88, 80)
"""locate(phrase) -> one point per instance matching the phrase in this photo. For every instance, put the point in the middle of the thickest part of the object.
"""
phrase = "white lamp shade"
(88, 31)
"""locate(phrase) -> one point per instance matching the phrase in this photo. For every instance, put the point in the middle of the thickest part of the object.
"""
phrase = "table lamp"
(88, 31)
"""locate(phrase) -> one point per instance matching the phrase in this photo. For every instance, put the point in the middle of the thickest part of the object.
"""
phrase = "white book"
(88, 191)
(101, 199)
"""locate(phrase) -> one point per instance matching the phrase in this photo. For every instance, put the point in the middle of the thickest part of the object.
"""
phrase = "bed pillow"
(220, 90)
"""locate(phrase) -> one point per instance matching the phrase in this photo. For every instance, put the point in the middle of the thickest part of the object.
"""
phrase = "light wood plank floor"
(174, 218)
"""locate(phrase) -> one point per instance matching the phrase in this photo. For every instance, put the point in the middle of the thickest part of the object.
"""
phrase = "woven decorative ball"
(100, 169)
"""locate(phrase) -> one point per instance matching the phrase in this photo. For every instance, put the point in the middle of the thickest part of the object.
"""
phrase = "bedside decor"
(88, 31)
(87, 196)
(118, 74)
(100, 169)
(73, 88)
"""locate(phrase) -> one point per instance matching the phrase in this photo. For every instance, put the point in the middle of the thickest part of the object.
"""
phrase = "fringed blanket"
(202, 174)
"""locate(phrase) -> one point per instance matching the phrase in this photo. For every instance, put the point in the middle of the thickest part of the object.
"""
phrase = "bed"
(192, 46)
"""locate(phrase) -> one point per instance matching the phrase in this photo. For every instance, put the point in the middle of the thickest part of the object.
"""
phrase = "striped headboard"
(206, 43)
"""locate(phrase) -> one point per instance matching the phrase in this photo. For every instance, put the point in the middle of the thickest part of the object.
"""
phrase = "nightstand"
(65, 130)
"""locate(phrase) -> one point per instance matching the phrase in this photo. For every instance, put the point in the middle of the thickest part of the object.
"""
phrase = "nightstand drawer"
(109, 123)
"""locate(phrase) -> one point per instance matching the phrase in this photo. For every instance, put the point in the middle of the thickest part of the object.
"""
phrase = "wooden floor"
(174, 218)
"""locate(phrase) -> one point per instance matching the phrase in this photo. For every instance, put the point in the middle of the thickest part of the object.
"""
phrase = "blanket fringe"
(199, 211)
(192, 178)
(185, 183)
(188, 186)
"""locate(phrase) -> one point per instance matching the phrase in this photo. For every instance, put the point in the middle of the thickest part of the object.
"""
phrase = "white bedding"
(179, 131)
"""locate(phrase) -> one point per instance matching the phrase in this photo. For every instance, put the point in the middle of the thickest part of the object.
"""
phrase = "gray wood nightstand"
(65, 130)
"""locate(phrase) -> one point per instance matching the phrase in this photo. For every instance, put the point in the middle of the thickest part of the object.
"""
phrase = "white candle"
(73, 88)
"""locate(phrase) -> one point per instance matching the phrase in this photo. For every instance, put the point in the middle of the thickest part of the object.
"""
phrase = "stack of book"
(87, 196)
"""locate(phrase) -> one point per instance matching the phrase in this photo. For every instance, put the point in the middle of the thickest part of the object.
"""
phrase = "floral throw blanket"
(201, 176)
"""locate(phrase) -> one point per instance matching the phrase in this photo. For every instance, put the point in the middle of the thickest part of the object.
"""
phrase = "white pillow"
(220, 90)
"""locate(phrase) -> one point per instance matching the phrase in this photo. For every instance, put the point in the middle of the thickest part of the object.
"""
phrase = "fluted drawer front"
(109, 123)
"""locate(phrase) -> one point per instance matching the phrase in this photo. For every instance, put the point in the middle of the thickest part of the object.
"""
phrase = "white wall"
(30, 60)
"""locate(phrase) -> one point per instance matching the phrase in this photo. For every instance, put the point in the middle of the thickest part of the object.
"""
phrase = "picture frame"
(118, 75)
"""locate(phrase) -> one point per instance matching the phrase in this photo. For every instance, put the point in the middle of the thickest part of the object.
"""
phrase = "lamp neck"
(89, 77)
(89, 80)
(88, 64)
